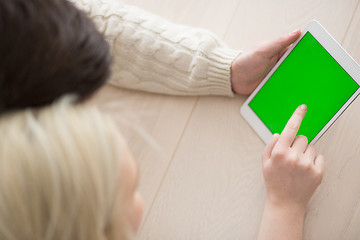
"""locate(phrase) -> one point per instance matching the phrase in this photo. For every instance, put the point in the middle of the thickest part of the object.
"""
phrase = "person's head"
(48, 48)
(66, 173)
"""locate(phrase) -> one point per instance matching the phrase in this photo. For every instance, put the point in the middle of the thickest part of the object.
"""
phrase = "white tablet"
(315, 71)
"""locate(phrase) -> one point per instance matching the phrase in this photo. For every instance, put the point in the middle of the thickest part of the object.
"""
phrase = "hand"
(292, 168)
(250, 67)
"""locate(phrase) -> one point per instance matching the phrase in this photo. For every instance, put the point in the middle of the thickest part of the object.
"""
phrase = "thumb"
(270, 146)
(319, 163)
(283, 42)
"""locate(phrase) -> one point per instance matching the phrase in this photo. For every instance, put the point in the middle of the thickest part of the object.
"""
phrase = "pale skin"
(250, 68)
(128, 182)
(292, 169)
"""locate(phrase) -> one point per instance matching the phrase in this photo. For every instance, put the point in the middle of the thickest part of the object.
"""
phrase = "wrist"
(234, 73)
(281, 221)
(286, 208)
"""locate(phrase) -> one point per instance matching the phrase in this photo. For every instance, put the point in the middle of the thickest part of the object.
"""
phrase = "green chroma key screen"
(311, 76)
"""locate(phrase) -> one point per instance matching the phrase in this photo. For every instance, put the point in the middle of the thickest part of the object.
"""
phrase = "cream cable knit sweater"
(155, 55)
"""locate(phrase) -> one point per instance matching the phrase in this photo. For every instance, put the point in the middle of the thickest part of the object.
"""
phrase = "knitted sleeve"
(152, 54)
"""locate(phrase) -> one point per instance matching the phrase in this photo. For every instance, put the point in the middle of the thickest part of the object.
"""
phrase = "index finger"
(288, 135)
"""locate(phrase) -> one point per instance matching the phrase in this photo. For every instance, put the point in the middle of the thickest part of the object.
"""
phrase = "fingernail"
(294, 32)
(303, 107)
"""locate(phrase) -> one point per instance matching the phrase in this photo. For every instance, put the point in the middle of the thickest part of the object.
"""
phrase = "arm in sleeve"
(154, 55)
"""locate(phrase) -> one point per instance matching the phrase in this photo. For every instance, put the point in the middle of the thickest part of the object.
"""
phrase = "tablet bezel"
(335, 50)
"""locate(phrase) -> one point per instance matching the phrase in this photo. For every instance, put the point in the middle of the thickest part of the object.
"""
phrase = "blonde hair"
(59, 174)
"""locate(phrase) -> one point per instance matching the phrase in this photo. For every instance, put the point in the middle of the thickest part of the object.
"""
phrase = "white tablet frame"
(335, 50)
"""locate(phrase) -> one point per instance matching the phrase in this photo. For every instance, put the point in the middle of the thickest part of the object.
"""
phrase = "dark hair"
(48, 48)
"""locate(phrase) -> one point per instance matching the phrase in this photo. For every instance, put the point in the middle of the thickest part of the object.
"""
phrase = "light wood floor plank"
(163, 117)
(214, 187)
(262, 19)
(333, 208)
(213, 15)
(352, 44)
(148, 115)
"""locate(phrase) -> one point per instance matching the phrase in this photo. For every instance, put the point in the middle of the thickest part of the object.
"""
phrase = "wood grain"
(213, 15)
(261, 19)
(164, 118)
(152, 126)
(352, 44)
(214, 187)
(332, 214)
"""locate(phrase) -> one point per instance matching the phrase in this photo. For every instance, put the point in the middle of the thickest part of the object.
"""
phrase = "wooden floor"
(201, 174)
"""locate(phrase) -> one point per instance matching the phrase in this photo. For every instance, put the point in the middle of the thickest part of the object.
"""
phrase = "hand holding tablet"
(252, 65)
(315, 71)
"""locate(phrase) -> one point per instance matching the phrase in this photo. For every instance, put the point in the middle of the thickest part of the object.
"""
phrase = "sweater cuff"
(219, 74)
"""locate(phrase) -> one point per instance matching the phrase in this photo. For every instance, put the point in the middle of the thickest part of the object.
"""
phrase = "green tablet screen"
(309, 75)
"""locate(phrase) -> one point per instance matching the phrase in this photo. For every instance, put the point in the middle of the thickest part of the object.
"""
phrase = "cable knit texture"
(152, 54)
